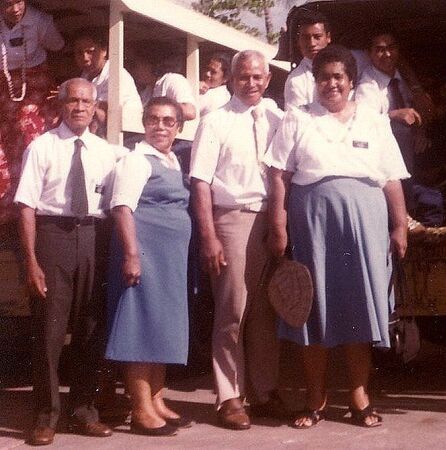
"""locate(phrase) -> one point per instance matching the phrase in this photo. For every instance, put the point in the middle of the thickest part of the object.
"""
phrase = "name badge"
(16, 42)
(99, 189)
(360, 144)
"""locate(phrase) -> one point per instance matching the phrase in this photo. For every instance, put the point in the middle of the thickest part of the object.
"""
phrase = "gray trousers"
(66, 254)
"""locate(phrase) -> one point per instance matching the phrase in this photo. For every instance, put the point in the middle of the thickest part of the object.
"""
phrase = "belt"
(66, 221)
(247, 207)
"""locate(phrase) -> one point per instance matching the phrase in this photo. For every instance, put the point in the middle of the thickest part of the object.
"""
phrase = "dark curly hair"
(336, 53)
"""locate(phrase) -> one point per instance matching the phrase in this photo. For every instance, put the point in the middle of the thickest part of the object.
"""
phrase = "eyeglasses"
(167, 121)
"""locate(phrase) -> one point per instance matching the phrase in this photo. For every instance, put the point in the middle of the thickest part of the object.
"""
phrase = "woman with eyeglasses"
(147, 289)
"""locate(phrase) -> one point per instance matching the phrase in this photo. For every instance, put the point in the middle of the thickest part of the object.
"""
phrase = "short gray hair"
(248, 54)
(63, 89)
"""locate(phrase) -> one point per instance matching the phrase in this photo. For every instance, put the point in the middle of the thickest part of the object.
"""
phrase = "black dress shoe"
(179, 422)
(165, 430)
(41, 435)
(274, 408)
(94, 429)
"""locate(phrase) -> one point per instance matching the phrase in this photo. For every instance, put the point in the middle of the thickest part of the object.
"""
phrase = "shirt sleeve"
(119, 151)
(368, 93)
(131, 98)
(391, 163)
(294, 93)
(49, 36)
(281, 153)
(205, 151)
(179, 89)
(130, 176)
(30, 186)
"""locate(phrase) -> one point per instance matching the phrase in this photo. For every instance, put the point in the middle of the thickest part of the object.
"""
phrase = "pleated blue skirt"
(339, 230)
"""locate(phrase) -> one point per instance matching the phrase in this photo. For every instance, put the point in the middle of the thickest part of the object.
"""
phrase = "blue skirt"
(339, 230)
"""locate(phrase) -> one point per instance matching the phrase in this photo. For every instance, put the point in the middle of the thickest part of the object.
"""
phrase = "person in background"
(26, 35)
(384, 88)
(25, 84)
(335, 171)
(64, 190)
(213, 88)
(313, 36)
(148, 270)
(144, 74)
(175, 86)
(90, 55)
(229, 198)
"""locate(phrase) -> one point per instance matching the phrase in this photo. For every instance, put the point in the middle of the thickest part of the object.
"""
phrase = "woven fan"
(290, 292)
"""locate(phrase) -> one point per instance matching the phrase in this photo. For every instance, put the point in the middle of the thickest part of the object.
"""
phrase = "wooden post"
(116, 58)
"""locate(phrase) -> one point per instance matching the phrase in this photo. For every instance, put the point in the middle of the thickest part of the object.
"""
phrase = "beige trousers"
(244, 322)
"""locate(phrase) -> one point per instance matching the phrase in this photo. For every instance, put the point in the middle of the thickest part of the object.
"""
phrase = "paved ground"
(412, 402)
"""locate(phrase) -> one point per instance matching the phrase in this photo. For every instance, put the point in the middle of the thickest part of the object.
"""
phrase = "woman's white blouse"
(133, 171)
(313, 145)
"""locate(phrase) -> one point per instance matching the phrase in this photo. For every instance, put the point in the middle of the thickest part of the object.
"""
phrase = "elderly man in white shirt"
(90, 54)
(64, 189)
(229, 192)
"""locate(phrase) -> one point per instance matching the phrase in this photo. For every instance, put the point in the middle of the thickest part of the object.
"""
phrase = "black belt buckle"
(88, 220)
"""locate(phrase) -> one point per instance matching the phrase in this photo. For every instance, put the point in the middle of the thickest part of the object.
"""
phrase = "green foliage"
(228, 11)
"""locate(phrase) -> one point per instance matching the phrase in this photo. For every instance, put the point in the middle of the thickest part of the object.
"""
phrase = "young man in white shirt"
(90, 54)
(313, 35)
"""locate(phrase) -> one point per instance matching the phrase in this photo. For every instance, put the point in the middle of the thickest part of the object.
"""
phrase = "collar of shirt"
(146, 149)
(383, 79)
(67, 135)
(307, 64)
(238, 106)
(103, 75)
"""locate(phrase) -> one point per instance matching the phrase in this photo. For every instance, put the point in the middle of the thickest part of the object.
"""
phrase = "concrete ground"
(412, 402)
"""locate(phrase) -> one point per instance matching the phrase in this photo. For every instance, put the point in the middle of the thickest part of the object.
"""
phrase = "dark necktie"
(395, 92)
(79, 199)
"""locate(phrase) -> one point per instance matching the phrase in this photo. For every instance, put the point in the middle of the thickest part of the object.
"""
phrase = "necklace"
(6, 72)
(347, 128)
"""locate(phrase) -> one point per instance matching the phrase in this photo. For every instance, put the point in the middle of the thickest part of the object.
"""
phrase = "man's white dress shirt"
(300, 87)
(130, 96)
(224, 153)
(174, 86)
(213, 99)
(44, 180)
(373, 90)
